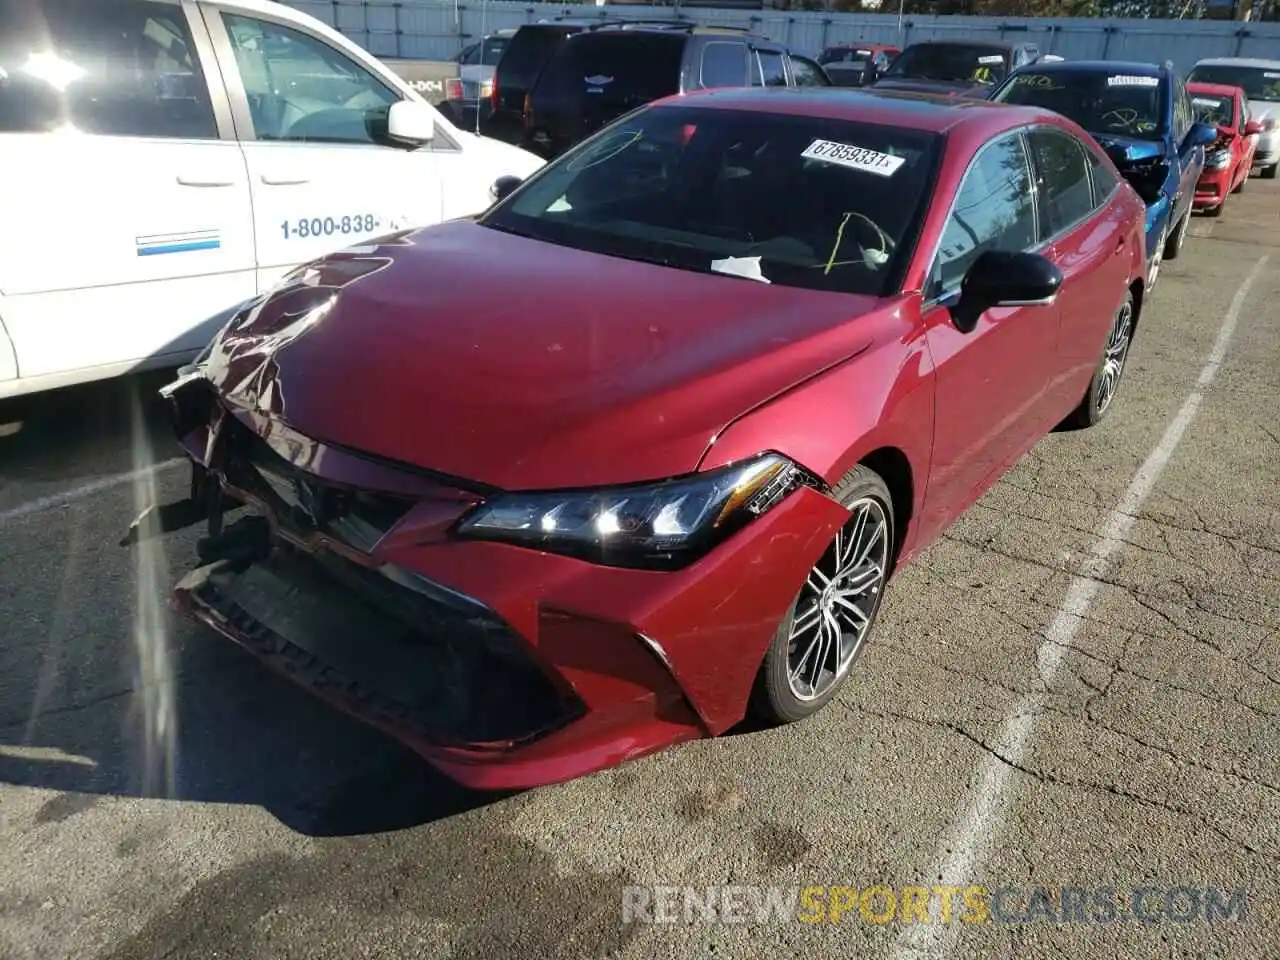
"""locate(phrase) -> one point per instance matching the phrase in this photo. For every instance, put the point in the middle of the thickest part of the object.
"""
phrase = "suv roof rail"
(732, 28)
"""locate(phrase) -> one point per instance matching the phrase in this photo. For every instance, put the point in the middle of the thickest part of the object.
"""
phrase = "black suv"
(528, 51)
(596, 76)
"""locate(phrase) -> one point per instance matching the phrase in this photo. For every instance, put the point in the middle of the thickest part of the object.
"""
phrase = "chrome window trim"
(947, 295)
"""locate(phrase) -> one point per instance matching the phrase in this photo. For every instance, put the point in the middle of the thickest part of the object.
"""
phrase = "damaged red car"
(637, 450)
(1229, 159)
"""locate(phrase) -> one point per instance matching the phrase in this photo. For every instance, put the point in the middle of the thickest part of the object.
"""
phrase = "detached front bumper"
(504, 667)
(1212, 188)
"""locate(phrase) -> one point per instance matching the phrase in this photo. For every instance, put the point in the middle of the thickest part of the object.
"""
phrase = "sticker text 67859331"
(305, 227)
(855, 158)
(1133, 81)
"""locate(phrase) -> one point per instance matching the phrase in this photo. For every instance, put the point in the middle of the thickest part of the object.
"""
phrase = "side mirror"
(410, 122)
(1252, 128)
(503, 187)
(1001, 278)
(1202, 134)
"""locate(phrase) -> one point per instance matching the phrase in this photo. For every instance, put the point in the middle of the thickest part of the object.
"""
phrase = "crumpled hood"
(954, 88)
(1126, 150)
(521, 364)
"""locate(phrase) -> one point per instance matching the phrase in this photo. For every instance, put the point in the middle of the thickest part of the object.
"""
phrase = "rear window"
(1258, 83)
(617, 69)
(792, 200)
(529, 51)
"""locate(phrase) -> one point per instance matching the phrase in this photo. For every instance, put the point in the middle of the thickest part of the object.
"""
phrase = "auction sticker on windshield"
(993, 58)
(855, 158)
(1131, 81)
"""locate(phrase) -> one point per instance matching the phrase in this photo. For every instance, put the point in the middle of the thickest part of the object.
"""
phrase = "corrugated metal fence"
(435, 30)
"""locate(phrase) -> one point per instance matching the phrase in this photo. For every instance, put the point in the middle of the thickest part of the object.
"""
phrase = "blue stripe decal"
(160, 249)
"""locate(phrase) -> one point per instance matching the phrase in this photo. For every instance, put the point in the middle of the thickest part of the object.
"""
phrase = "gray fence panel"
(436, 30)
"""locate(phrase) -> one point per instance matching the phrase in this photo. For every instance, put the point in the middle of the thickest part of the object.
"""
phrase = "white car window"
(119, 69)
(301, 89)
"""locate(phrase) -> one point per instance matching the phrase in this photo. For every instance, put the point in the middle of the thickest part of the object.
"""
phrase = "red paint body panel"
(442, 363)
(431, 359)
(1216, 184)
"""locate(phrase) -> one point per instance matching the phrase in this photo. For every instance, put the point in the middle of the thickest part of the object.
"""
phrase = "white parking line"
(55, 500)
(973, 832)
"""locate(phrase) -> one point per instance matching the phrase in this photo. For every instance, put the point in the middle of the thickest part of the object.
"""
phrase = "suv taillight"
(527, 109)
(453, 88)
(493, 94)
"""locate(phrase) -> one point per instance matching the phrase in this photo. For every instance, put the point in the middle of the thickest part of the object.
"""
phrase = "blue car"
(1141, 114)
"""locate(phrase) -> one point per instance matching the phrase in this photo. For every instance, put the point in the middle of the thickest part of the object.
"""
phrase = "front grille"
(304, 503)
(396, 650)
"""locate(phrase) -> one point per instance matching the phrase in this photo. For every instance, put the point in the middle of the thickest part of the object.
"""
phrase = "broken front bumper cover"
(502, 666)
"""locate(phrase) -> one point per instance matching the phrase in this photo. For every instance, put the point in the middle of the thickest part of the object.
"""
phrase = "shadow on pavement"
(88, 431)
(236, 734)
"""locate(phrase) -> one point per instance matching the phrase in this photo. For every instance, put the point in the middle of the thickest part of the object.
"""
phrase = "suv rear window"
(615, 67)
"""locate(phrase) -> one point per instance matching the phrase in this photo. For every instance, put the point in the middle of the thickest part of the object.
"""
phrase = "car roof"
(969, 42)
(930, 113)
(1133, 67)
(1238, 62)
(1223, 89)
(680, 29)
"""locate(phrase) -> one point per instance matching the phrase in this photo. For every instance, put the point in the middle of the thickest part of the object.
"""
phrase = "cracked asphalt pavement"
(260, 824)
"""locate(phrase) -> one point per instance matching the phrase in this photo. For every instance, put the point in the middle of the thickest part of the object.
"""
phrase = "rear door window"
(125, 69)
(724, 64)
(772, 70)
(1066, 193)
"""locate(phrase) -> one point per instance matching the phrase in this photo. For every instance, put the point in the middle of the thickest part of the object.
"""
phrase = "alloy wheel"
(838, 602)
(1113, 360)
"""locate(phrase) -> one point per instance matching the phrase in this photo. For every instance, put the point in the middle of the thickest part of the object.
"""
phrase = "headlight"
(663, 525)
(1217, 159)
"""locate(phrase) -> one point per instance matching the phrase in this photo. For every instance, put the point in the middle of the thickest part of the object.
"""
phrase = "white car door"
(312, 121)
(125, 203)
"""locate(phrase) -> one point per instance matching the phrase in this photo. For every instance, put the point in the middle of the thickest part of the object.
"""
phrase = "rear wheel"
(1239, 187)
(832, 617)
(1106, 377)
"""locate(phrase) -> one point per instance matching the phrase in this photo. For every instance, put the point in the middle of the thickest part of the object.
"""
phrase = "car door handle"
(204, 180)
(284, 180)
(1120, 245)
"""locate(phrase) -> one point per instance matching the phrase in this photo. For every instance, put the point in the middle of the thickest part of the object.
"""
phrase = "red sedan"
(1228, 161)
(637, 450)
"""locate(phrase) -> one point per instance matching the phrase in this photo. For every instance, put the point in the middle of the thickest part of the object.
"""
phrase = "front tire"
(834, 613)
(1269, 173)
(1106, 377)
(1217, 211)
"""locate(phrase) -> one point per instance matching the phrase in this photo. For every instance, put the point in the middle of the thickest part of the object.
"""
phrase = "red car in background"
(1227, 162)
(638, 449)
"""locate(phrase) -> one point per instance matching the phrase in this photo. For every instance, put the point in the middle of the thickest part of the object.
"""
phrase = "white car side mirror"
(411, 122)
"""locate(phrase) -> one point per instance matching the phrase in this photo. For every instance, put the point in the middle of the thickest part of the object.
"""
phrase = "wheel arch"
(894, 467)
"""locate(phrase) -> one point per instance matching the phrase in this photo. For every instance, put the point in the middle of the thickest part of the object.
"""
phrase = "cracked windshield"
(754, 478)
